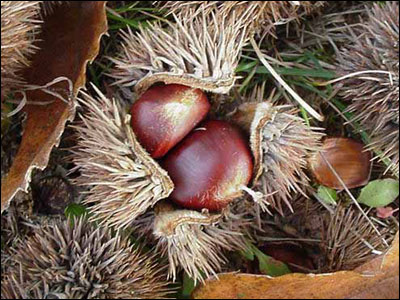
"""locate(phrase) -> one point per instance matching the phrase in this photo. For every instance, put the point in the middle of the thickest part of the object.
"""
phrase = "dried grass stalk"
(124, 180)
(374, 97)
(194, 241)
(81, 261)
(20, 23)
(200, 52)
(281, 143)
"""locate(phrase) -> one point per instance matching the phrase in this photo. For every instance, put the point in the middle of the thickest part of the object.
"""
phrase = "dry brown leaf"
(69, 40)
(378, 279)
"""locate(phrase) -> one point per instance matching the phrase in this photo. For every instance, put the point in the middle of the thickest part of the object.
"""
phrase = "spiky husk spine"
(281, 143)
(204, 54)
(352, 241)
(20, 22)
(81, 261)
(374, 45)
(49, 6)
(260, 16)
(194, 241)
(13, 225)
(124, 180)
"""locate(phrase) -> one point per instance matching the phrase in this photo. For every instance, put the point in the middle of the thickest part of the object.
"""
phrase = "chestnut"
(165, 114)
(349, 160)
(210, 167)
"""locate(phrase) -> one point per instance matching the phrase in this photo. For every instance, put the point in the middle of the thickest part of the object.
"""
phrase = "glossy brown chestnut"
(209, 167)
(165, 114)
(349, 159)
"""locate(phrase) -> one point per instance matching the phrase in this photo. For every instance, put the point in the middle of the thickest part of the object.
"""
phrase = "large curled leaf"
(70, 38)
(379, 193)
(378, 279)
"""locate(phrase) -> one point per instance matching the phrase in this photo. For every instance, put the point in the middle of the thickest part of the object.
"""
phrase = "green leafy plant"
(75, 210)
(328, 195)
(188, 286)
(267, 264)
(379, 193)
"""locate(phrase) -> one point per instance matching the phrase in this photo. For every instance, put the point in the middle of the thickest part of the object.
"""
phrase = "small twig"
(302, 268)
(328, 101)
(44, 88)
(356, 74)
(327, 207)
(31, 102)
(379, 222)
(270, 239)
(304, 104)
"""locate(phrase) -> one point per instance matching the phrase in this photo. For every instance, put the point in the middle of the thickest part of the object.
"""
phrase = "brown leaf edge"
(377, 279)
(70, 38)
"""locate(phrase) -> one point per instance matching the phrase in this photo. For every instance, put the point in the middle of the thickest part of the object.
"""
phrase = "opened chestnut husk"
(124, 181)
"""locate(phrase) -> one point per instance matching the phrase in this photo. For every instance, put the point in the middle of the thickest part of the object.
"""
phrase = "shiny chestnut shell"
(349, 159)
(209, 167)
(165, 114)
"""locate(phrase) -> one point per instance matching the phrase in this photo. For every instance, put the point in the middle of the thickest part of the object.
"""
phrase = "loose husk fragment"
(194, 241)
(281, 143)
(123, 179)
(62, 32)
(200, 52)
(374, 97)
(81, 261)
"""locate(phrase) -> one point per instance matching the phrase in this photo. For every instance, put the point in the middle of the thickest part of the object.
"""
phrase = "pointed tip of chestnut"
(348, 158)
(165, 114)
(209, 167)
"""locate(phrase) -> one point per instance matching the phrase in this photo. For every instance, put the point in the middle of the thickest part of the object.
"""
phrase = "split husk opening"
(123, 180)
(281, 143)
